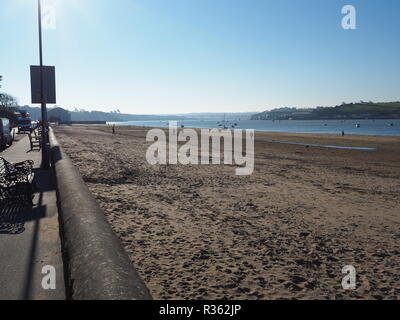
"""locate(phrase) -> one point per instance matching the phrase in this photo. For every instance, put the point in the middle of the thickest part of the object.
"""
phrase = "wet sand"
(286, 231)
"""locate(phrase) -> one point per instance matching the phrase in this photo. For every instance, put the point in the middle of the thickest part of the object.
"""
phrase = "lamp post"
(45, 146)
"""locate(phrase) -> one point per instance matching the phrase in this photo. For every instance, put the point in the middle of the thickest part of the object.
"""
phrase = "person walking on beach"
(113, 128)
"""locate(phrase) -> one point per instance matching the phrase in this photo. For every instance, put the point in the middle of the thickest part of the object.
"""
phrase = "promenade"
(29, 237)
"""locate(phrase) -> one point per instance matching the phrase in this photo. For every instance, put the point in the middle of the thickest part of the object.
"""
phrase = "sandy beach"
(286, 231)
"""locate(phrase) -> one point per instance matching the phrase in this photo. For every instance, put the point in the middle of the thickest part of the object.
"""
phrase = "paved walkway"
(29, 237)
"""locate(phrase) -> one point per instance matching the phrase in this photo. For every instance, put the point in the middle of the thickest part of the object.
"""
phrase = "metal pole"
(45, 150)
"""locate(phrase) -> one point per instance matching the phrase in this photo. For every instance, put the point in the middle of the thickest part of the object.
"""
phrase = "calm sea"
(365, 127)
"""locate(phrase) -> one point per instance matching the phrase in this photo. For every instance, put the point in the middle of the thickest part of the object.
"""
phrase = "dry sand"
(200, 232)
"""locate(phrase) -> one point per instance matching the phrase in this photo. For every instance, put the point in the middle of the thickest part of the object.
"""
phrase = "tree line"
(8, 105)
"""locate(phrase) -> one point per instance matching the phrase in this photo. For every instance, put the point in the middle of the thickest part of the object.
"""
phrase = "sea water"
(363, 127)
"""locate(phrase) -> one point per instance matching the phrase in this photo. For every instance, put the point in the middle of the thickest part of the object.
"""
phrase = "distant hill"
(83, 115)
(117, 117)
(361, 110)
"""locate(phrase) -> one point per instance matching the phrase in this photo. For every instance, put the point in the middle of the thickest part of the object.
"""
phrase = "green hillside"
(361, 110)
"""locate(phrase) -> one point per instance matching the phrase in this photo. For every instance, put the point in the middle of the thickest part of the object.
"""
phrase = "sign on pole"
(49, 84)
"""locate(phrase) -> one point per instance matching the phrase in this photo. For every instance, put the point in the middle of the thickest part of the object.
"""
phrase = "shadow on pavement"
(14, 214)
(29, 232)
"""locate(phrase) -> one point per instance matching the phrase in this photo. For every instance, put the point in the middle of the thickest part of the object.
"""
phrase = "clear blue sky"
(176, 56)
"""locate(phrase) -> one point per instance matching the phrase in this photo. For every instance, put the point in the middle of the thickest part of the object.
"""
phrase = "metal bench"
(16, 181)
(35, 140)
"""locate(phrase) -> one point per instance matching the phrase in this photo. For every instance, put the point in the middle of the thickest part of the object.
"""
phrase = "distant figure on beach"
(113, 128)
(342, 133)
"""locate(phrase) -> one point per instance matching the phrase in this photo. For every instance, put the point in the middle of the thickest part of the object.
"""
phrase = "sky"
(181, 56)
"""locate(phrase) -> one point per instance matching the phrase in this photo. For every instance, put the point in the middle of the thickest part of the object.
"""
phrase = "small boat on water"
(358, 125)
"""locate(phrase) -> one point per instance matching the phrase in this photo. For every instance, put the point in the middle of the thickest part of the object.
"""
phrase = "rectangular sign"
(49, 84)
